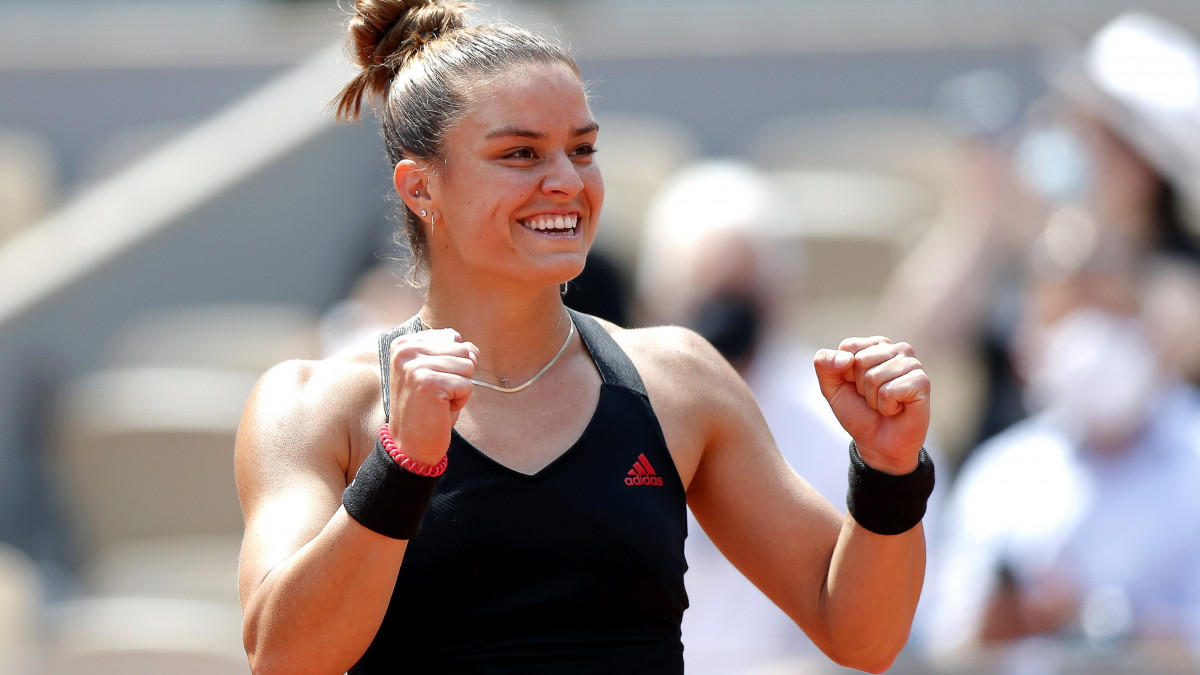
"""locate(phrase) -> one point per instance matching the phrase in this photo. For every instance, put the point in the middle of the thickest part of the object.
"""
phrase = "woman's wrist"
(885, 462)
(390, 492)
(407, 462)
(886, 503)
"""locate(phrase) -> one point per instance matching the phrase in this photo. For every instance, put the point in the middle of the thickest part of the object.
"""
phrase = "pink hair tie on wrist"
(408, 463)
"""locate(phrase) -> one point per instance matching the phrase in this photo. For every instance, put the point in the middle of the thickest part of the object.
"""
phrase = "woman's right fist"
(430, 383)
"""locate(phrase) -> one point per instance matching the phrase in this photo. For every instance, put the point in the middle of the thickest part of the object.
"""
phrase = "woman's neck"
(512, 332)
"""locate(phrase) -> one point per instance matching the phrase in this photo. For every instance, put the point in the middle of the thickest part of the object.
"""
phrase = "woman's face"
(519, 193)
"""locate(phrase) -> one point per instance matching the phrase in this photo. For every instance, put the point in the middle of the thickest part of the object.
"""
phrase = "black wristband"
(884, 503)
(386, 498)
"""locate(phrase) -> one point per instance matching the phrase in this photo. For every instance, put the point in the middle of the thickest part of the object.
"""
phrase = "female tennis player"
(499, 485)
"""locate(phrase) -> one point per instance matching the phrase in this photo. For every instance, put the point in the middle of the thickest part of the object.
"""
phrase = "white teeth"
(558, 222)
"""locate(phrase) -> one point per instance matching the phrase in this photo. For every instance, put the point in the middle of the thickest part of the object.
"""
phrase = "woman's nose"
(562, 177)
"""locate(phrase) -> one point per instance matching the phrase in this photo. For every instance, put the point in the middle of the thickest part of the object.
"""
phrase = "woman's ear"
(409, 179)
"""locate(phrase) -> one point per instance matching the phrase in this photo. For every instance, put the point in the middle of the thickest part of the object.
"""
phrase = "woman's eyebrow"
(514, 131)
(503, 132)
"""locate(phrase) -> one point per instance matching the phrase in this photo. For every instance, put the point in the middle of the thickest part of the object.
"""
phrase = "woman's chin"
(558, 269)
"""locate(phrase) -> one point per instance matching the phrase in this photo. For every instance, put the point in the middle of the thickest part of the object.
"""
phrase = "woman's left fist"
(880, 393)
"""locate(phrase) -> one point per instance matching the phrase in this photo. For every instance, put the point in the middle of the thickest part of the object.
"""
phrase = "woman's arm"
(880, 393)
(853, 592)
(315, 583)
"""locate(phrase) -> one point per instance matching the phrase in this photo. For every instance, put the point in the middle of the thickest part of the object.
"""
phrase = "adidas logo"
(642, 473)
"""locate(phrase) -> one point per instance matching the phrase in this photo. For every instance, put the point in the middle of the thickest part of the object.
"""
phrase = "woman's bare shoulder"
(334, 382)
(313, 408)
(674, 352)
(682, 369)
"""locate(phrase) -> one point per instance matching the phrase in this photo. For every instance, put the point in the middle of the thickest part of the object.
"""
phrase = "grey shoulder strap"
(413, 325)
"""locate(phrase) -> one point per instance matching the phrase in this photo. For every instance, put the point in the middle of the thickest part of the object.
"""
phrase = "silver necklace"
(505, 389)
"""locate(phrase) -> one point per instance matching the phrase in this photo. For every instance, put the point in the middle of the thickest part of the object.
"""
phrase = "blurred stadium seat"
(145, 636)
(246, 336)
(143, 453)
(901, 143)
(147, 454)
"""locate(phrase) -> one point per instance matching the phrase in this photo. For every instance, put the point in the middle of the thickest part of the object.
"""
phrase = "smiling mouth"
(553, 223)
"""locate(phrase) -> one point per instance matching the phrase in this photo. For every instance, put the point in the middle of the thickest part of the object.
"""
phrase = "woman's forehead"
(537, 97)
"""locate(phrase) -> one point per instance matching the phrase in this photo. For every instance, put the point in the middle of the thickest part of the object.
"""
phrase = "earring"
(424, 213)
(416, 193)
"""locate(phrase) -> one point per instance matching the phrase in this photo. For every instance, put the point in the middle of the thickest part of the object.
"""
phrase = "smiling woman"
(516, 178)
(499, 484)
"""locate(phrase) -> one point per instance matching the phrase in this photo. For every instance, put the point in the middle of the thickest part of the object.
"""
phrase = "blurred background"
(1013, 186)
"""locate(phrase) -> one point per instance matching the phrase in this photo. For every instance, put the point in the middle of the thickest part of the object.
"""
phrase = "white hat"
(1142, 75)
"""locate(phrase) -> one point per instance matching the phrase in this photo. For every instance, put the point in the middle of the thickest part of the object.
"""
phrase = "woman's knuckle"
(875, 378)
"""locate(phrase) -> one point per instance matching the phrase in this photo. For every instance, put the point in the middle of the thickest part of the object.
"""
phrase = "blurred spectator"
(708, 265)
(1131, 105)
(956, 291)
(1117, 135)
(1081, 522)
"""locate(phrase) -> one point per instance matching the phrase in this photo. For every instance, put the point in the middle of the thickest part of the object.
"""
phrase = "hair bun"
(384, 34)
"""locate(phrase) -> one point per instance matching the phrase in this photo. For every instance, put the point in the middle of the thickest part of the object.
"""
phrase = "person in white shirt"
(1082, 522)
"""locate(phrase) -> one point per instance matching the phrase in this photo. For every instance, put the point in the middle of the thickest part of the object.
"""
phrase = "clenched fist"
(880, 394)
(430, 384)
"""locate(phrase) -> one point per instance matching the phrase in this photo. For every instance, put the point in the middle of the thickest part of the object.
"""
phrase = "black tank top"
(575, 569)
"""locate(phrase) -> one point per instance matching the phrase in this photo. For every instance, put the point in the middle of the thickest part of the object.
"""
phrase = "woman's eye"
(521, 153)
(585, 150)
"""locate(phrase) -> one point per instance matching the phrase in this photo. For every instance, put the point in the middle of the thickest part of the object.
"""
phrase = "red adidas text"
(643, 473)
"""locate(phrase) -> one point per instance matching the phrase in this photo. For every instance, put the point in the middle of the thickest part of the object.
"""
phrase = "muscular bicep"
(290, 465)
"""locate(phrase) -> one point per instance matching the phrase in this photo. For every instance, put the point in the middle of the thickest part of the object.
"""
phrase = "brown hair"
(421, 60)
